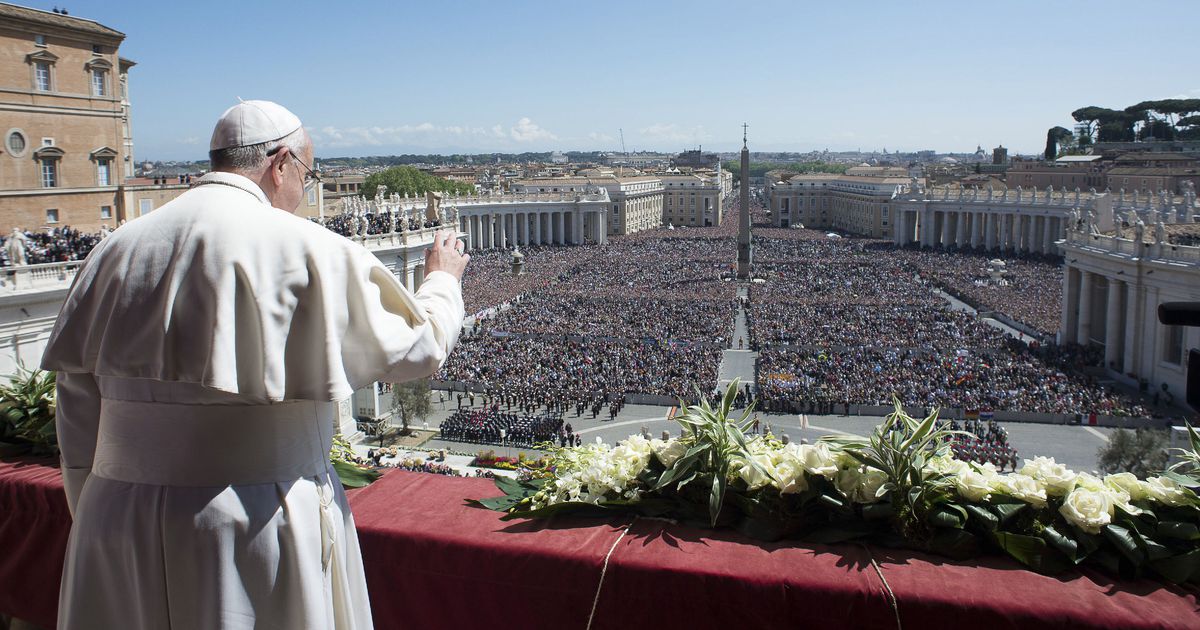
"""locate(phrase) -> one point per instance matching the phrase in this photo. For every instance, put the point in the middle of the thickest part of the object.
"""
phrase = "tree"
(407, 180)
(411, 402)
(1054, 136)
(1142, 452)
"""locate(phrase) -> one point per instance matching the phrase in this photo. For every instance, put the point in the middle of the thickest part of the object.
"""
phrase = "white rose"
(817, 460)
(754, 476)
(1129, 484)
(973, 485)
(862, 485)
(1166, 491)
(1020, 486)
(946, 465)
(789, 476)
(670, 451)
(1058, 479)
(1088, 510)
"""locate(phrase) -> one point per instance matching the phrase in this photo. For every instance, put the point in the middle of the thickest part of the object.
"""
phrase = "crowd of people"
(984, 442)
(51, 245)
(642, 315)
(350, 224)
(493, 426)
(1029, 291)
(843, 321)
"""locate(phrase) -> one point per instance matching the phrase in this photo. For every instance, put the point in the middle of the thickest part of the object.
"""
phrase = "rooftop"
(48, 18)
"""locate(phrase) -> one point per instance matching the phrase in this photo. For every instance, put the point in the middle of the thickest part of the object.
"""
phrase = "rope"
(886, 586)
(604, 570)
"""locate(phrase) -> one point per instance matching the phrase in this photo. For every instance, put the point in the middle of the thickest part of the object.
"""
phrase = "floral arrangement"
(901, 486)
(27, 409)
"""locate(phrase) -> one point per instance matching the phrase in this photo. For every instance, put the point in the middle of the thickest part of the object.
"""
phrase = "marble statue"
(433, 205)
(15, 248)
(1160, 233)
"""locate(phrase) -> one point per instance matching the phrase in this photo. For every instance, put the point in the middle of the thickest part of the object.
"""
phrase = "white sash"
(212, 445)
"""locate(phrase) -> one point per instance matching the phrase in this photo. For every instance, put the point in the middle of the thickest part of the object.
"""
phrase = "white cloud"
(527, 131)
(672, 132)
(427, 134)
(190, 140)
(596, 136)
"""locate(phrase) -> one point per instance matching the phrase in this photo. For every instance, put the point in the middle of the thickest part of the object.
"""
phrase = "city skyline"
(385, 80)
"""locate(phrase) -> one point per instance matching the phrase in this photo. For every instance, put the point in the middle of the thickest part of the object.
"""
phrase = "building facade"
(67, 143)
(857, 202)
(1114, 280)
(692, 199)
(636, 202)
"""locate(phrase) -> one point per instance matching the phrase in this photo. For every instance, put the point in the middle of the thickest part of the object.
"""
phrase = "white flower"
(670, 451)
(973, 485)
(1089, 510)
(756, 476)
(817, 459)
(1129, 484)
(1166, 491)
(1058, 479)
(1021, 486)
(789, 476)
(946, 465)
(862, 484)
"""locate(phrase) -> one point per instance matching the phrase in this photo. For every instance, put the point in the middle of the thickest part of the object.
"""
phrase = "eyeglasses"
(310, 176)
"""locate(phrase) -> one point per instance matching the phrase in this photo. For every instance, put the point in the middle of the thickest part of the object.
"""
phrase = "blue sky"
(378, 78)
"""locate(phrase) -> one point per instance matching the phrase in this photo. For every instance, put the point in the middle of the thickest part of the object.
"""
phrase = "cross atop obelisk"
(744, 251)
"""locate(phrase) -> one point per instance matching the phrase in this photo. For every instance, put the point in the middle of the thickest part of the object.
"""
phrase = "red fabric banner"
(434, 562)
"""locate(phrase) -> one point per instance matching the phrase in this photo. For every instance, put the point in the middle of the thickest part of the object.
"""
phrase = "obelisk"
(744, 252)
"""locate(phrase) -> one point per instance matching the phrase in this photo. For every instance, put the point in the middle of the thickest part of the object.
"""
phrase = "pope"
(200, 355)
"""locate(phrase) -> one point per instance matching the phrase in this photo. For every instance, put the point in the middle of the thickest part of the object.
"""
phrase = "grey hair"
(251, 157)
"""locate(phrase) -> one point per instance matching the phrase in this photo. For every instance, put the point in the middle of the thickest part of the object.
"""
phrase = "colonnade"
(1097, 309)
(487, 230)
(989, 230)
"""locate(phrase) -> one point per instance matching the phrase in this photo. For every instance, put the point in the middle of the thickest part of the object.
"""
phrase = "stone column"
(502, 228)
(525, 228)
(1133, 322)
(560, 231)
(898, 227)
(961, 221)
(418, 276)
(1084, 334)
(1030, 241)
(1068, 326)
(1114, 333)
(989, 223)
(1050, 235)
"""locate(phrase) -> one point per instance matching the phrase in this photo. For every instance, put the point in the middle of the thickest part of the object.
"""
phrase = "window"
(39, 40)
(52, 215)
(42, 75)
(97, 49)
(105, 212)
(145, 206)
(49, 173)
(98, 82)
(1173, 345)
(16, 143)
(103, 172)
(312, 196)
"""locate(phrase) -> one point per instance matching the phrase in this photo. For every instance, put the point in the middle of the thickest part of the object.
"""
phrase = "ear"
(278, 164)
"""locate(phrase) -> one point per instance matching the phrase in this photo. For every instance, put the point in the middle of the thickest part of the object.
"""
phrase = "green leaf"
(950, 516)
(1180, 568)
(1178, 530)
(1005, 511)
(353, 476)
(955, 543)
(878, 511)
(985, 518)
(1064, 544)
(1125, 543)
(716, 497)
(1028, 550)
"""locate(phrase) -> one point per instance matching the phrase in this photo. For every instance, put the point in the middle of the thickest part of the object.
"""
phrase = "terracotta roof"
(37, 16)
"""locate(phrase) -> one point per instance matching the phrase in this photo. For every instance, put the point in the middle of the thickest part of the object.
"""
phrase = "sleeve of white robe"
(77, 419)
(405, 336)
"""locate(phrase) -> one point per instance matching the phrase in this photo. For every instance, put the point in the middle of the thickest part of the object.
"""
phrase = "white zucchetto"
(252, 122)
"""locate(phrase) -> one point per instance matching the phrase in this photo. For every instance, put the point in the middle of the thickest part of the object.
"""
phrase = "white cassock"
(199, 355)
